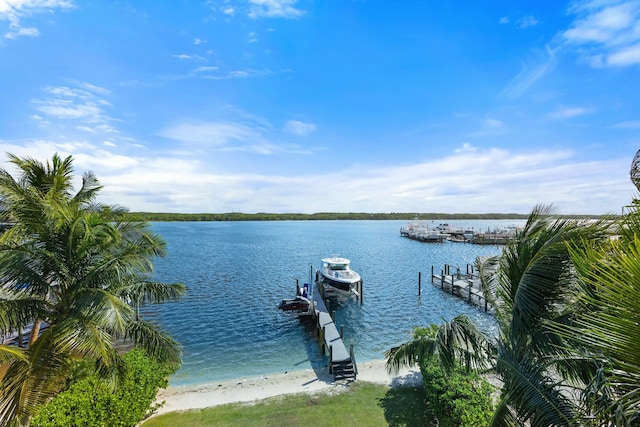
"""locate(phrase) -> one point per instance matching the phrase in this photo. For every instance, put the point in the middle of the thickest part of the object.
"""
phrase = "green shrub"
(459, 398)
(90, 401)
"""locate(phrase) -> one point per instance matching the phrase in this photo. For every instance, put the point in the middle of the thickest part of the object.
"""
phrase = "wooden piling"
(330, 359)
(419, 283)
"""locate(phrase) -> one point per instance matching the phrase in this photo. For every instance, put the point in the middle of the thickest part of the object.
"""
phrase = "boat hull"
(341, 286)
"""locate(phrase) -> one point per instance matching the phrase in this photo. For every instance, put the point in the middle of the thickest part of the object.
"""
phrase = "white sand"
(253, 389)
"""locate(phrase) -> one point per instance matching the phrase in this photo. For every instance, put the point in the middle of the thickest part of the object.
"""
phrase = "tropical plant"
(455, 343)
(90, 402)
(532, 289)
(457, 398)
(455, 394)
(76, 267)
(606, 324)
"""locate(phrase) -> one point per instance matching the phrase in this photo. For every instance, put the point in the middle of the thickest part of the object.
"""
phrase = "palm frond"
(409, 354)
(532, 394)
(157, 343)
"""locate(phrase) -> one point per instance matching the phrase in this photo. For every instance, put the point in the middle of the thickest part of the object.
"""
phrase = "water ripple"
(236, 273)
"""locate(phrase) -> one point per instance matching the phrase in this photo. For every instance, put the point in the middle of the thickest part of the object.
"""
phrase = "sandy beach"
(253, 389)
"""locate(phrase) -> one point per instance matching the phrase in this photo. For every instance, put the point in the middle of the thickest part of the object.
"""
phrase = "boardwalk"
(464, 285)
(341, 361)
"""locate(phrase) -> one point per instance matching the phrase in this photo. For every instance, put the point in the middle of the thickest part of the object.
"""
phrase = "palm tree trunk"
(35, 331)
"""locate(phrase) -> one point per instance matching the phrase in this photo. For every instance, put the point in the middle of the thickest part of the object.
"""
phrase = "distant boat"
(336, 273)
(418, 230)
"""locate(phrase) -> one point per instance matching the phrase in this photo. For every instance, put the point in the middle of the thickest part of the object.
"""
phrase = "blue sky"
(329, 105)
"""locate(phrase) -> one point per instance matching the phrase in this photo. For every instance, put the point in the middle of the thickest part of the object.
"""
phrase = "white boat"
(337, 274)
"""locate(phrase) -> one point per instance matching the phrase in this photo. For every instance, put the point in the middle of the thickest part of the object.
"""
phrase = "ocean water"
(236, 273)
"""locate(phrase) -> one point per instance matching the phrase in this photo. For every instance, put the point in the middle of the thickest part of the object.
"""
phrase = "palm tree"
(455, 343)
(531, 289)
(606, 324)
(76, 266)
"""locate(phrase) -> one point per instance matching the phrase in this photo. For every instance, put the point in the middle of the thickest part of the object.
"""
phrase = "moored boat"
(301, 304)
(336, 273)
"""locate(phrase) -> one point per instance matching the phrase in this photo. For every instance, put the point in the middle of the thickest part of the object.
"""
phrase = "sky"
(214, 106)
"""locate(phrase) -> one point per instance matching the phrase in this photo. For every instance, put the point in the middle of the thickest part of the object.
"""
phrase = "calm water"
(237, 272)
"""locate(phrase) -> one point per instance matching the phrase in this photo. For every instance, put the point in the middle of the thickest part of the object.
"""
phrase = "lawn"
(363, 404)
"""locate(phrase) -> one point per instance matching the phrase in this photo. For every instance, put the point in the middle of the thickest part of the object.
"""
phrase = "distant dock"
(423, 232)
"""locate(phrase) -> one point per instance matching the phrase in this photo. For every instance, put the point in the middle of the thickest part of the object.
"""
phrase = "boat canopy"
(337, 263)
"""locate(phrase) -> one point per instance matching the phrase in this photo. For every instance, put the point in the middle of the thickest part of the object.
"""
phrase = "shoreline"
(182, 398)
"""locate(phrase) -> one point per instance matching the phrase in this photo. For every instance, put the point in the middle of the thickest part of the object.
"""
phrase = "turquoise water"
(236, 273)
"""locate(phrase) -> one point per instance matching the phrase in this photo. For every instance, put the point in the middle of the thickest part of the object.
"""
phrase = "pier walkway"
(341, 362)
(464, 285)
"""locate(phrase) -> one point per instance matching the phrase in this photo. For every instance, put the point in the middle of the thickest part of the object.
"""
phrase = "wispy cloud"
(504, 20)
(83, 104)
(562, 113)
(297, 127)
(15, 11)
(466, 148)
(493, 123)
(274, 9)
(527, 21)
(251, 135)
(212, 134)
(531, 71)
(237, 74)
(631, 124)
(605, 33)
(187, 57)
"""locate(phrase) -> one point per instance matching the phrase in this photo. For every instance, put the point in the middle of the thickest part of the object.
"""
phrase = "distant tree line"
(261, 216)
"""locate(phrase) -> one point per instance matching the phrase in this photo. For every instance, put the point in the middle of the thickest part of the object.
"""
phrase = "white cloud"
(23, 31)
(527, 21)
(274, 9)
(83, 106)
(631, 124)
(504, 20)
(297, 127)
(238, 74)
(605, 33)
(466, 148)
(562, 113)
(205, 69)
(198, 41)
(530, 73)
(211, 134)
(493, 123)
(15, 11)
(471, 180)
(625, 56)
(185, 57)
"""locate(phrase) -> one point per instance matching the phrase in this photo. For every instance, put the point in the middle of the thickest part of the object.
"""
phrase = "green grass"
(363, 404)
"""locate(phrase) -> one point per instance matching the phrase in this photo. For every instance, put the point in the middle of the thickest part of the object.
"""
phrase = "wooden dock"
(465, 285)
(342, 363)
